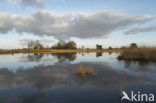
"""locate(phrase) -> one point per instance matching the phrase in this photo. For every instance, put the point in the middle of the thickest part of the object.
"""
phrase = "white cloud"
(81, 25)
(140, 29)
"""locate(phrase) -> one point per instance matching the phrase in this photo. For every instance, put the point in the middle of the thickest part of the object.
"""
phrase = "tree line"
(59, 45)
(132, 45)
(69, 45)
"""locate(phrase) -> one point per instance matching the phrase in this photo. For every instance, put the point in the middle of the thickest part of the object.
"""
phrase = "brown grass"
(139, 54)
(56, 51)
(85, 71)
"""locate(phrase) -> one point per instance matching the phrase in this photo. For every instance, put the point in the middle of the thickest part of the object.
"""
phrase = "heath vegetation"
(139, 54)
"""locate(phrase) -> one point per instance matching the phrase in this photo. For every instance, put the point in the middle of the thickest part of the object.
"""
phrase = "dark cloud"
(81, 25)
(140, 29)
(36, 3)
(6, 23)
(29, 3)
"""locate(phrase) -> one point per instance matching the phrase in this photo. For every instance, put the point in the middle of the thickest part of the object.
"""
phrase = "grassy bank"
(139, 54)
(57, 51)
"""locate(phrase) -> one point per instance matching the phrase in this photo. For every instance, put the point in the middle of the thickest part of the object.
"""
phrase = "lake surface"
(51, 78)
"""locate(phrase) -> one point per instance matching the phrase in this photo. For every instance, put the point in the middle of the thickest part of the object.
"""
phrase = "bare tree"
(35, 45)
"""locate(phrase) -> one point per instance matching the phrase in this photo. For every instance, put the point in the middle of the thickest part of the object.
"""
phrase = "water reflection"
(141, 63)
(35, 57)
(50, 78)
(61, 57)
(40, 84)
(98, 54)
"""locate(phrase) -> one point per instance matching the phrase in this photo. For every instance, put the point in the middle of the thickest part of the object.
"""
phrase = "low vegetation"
(139, 54)
(85, 71)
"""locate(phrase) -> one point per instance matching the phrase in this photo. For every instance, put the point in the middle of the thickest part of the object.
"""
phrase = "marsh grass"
(85, 71)
(8, 51)
(139, 54)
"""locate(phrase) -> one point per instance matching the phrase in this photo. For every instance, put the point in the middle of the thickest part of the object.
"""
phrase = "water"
(51, 78)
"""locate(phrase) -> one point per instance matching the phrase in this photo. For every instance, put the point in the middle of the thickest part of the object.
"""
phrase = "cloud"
(42, 41)
(5, 0)
(29, 3)
(36, 3)
(6, 23)
(140, 29)
(81, 25)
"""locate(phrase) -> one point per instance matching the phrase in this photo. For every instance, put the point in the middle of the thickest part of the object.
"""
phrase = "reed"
(85, 71)
(139, 54)
(57, 51)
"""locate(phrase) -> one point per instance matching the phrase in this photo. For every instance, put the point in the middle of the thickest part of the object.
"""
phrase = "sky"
(112, 23)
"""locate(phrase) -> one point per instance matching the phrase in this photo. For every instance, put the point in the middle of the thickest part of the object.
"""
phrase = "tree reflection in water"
(35, 57)
(61, 57)
(99, 54)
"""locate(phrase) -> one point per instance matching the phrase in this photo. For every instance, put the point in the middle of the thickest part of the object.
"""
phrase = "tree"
(64, 45)
(110, 47)
(133, 45)
(39, 46)
(82, 47)
(123, 47)
(30, 45)
(35, 45)
(98, 46)
(70, 45)
(60, 44)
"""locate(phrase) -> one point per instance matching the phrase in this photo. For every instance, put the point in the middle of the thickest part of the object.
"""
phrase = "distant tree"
(64, 45)
(61, 44)
(123, 47)
(31, 45)
(71, 45)
(98, 46)
(110, 47)
(82, 47)
(47, 47)
(35, 45)
(39, 46)
(133, 45)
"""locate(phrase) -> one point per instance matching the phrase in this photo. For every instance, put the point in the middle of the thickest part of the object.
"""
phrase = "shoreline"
(2, 51)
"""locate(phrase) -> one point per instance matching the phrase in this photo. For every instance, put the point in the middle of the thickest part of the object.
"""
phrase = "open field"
(57, 51)
(139, 54)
